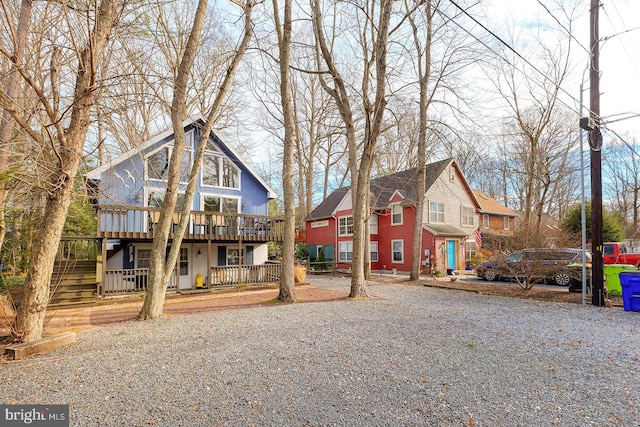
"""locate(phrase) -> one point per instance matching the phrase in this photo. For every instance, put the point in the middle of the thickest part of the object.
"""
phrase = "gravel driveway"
(412, 356)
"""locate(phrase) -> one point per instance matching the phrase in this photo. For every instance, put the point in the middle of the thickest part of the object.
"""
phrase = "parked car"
(562, 267)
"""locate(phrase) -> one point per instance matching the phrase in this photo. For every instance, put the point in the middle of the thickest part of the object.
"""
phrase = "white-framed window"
(396, 214)
(397, 251)
(485, 220)
(466, 213)
(235, 256)
(470, 249)
(157, 163)
(345, 226)
(373, 248)
(155, 199)
(220, 204)
(345, 251)
(436, 212)
(373, 224)
(506, 222)
(219, 171)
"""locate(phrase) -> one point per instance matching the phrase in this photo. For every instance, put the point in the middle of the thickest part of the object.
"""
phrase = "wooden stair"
(73, 283)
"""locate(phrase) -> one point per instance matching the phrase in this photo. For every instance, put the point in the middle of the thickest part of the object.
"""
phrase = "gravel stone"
(411, 356)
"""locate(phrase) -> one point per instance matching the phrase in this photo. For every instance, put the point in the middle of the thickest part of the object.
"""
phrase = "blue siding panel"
(124, 183)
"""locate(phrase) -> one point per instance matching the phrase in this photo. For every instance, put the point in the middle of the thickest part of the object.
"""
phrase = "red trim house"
(449, 221)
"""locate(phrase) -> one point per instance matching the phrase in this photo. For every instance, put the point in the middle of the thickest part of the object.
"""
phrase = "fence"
(251, 274)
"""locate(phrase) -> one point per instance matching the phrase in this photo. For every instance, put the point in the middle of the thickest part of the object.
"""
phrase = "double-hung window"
(397, 251)
(436, 212)
(345, 225)
(396, 214)
(374, 251)
(373, 224)
(466, 213)
(345, 251)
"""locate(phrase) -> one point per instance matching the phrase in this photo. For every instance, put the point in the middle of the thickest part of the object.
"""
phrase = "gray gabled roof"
(406, 183)
(96, 173)
(328, 206)
(383, 188)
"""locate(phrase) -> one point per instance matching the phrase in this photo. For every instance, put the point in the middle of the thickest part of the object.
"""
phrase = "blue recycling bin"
(630, 282)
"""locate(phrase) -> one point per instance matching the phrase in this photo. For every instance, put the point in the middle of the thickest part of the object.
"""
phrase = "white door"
(184, 270)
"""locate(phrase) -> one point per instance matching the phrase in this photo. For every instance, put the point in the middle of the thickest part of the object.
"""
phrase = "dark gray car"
(561, 267)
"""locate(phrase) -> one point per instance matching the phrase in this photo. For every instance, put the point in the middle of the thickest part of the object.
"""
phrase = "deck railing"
(136, 279)
(234, 275)
(140, 222)
(78, 249)
(127, 281)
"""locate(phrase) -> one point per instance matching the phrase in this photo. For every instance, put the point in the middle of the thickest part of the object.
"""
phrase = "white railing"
(234, 275)
(127, 281)
(135, 280)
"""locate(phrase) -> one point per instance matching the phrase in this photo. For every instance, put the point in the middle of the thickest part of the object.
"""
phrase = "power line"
(624, 141)
(512, 49)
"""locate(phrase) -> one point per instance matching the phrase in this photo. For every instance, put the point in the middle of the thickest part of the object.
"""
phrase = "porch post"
(209, 262)
(100, 268)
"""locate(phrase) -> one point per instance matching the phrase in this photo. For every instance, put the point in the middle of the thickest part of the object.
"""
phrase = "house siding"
(496, 224)
(325, 235)
(388, 233)
(454, 195)
(449, 188)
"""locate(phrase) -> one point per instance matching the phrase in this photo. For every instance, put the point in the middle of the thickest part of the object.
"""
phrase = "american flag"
(478, 237)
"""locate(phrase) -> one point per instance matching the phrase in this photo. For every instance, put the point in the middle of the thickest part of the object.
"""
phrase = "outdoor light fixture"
(199, 254)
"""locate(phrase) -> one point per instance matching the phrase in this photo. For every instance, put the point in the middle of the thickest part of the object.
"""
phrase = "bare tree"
(624, 185)
(423, 62)
(12, 87)
(283, 28)
(66, 101)
(160, 270)
(374, 37)
(539, 135)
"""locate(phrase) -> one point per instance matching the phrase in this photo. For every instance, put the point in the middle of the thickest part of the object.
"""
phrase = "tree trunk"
(424, 72)
(160, 270)
(71, 140)
(36, 288)
(287, 291)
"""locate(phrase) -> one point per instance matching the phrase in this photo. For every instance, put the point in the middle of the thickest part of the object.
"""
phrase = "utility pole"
(595, 141)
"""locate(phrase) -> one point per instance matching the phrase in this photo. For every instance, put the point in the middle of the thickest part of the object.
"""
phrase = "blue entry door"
(451, 254)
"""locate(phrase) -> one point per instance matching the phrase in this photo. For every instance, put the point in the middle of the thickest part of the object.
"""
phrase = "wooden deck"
(126, 222)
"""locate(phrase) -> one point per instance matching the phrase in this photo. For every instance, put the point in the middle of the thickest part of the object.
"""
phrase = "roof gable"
(489, 205)
(400, 187)
(396, 197)
(166, 138)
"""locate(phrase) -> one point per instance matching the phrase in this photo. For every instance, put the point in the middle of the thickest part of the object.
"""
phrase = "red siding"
(321, 235)
(387, 233)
